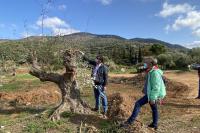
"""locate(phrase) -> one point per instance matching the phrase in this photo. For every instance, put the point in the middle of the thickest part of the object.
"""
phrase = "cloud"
(105, 2)
(170, 9)
(25, 34)
(193, 44)
(62, 7)
(187, 17)
(56, 25)
(64, 31)
(51, 22)
(191, 20)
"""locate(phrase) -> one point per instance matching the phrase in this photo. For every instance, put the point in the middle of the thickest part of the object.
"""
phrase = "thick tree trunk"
(67, 84)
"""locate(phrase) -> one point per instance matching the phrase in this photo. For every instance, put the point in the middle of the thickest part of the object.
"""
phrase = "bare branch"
(44, 76)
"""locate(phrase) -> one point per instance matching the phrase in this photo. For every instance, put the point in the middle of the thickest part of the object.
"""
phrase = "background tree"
(166, 61)
(157, 49)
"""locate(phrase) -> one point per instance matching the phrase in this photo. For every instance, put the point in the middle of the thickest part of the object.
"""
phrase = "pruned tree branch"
(44, 76)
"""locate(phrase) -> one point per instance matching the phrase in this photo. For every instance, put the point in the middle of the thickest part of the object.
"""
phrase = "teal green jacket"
(155, 88)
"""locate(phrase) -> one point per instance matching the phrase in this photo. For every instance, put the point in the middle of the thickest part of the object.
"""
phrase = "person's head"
(99, 59)
(150, 62)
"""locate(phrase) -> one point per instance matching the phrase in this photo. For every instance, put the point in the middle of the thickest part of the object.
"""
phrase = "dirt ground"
(180, 112)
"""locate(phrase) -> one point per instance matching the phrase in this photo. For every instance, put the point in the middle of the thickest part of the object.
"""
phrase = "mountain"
(118, 49)
(87, 37)
(155, 41)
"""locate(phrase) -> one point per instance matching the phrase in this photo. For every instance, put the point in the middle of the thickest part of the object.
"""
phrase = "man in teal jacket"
(154, 90)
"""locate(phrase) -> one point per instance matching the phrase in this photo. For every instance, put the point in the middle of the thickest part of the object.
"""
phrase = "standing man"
(100, 79)
(154, 90)
(198, 69)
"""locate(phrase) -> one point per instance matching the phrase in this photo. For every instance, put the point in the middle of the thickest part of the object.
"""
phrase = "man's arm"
(91, 62)
(85, 58)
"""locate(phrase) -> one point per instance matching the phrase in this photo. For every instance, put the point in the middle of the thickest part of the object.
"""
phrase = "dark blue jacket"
(102, 72)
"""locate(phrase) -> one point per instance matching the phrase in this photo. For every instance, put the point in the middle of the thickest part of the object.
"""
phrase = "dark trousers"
(136, 110)
(99, 94)
(199, 89)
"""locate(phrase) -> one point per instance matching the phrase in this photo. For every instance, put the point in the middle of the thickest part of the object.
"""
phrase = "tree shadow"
(14, 110)
(90, 119)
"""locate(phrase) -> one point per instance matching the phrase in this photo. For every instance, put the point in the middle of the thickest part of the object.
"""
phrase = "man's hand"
(81, 53)
(104, 88)
(152, 102)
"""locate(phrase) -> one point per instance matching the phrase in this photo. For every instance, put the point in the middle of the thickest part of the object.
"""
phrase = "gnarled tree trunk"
(67, 84)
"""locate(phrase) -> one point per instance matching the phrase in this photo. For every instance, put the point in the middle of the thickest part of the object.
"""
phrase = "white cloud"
(51, 22)
(170, 9)
(191, 20)
(62, 7)
(64, 31)
(193, 44)
(105, 2)
(187, 17)
(56, 25)
(25, 34)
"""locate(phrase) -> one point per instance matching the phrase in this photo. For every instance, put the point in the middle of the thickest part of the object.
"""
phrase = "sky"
(173, 21)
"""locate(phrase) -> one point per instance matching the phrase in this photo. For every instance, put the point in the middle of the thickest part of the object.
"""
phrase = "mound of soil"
(174, 88)
(120, 106)
(177, 89)
(119, 110)
(46, 94)
(115, 110)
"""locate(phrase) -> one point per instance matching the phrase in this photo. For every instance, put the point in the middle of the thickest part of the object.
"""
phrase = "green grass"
(25, 77)
(33, 127)
(128, 70)
(19, 82)
(19, 85)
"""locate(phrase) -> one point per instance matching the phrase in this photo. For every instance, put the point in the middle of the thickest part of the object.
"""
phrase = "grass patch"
(25, 77)
(19, 85)
(19, 82)
(67, 114)
(33, 127)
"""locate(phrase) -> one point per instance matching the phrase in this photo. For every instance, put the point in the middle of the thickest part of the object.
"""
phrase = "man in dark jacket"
(100, 79)
(199, 82)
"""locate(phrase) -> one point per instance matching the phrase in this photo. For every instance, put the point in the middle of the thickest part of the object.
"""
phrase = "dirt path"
(188, 78)
(178, 115)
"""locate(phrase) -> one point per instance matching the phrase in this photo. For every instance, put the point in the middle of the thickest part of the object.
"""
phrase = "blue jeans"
(136, 110)
(199, 89)
(99, 94)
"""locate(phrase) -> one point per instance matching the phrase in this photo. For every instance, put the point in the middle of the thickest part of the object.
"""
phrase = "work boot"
(153, 126)
(95, 109)
(125, 124)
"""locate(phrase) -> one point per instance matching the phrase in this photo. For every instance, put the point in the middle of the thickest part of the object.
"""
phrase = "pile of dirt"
(174, 88)
(120, 106)
(46, 94)
(120, 109)
(177, 89)
(115, 110)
